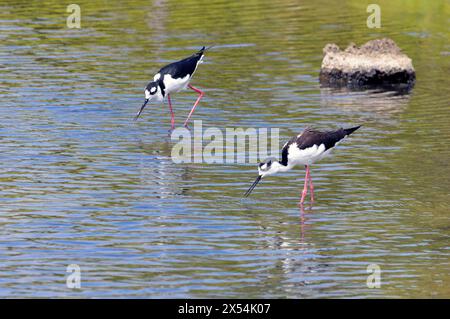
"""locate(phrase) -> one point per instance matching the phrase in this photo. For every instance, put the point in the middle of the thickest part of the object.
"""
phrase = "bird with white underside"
(304, 149)
(174, 78)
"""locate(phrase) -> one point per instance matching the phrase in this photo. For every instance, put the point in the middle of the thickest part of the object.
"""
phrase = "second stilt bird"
(171, 79)
(304, 149)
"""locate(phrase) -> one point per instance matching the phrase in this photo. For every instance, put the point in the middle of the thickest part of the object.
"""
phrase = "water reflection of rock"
(376, 102)
(157, 18)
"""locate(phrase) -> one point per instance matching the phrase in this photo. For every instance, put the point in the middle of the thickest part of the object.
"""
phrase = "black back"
(183, 67)
(311, 137)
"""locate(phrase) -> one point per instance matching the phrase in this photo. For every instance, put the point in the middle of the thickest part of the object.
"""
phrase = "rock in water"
(378, 63)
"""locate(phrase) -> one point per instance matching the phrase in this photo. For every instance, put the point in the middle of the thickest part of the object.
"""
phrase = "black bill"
(142, 108)
(253, 186)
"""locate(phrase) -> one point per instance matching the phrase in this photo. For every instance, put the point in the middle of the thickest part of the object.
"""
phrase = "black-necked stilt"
(174, 78)
(304, 149)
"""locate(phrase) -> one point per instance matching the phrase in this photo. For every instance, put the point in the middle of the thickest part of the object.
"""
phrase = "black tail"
(204, 49)
(199, 53)
(349, 131)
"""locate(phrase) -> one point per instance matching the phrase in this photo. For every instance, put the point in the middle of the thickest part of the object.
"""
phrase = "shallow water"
(82, 183)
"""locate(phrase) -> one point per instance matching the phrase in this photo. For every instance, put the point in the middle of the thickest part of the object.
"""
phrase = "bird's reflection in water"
(302, 220)
(159, 175)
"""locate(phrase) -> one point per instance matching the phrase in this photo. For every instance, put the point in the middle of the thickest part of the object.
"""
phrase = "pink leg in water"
(196, 102)
(172, 119)
(305, 188)
(311, 186)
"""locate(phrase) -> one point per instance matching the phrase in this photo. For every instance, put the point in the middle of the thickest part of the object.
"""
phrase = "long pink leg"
(305, 188)
(172, 120)
(311, 186)
(195, 104)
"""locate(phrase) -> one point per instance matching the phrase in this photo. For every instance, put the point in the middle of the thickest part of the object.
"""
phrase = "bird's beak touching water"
(253, 186)
(142, 108)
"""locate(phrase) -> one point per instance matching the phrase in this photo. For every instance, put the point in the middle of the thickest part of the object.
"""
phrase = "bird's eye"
(153, 90)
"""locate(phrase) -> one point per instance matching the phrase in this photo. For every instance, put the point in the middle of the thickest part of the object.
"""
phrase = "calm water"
(81, 183)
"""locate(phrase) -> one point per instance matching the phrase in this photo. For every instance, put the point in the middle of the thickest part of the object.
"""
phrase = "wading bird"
(171, 79)
(304, 149)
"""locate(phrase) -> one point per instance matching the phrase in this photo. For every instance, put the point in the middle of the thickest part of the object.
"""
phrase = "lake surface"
(81, 183)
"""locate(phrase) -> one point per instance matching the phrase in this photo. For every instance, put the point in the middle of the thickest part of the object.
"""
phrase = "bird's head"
(268, 167)
(152, 91)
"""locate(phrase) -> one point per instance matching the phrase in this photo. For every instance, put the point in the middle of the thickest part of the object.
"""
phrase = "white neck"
(280, 168)
(159, 95)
